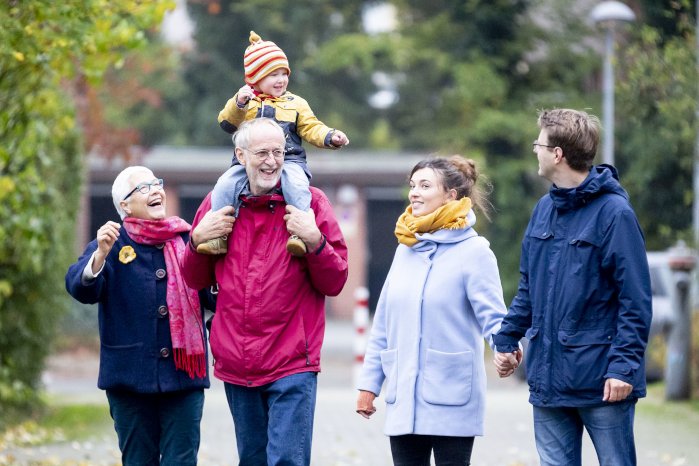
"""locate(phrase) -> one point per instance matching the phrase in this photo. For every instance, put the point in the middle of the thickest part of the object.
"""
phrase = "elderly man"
(151, 325)
(269, 325)
(583, 301)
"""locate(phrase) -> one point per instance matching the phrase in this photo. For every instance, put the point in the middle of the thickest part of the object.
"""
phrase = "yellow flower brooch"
(127, 254)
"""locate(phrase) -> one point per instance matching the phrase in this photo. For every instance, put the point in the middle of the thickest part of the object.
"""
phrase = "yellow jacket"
(292, 113)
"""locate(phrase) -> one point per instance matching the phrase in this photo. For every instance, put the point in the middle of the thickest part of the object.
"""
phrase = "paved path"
(343, 438)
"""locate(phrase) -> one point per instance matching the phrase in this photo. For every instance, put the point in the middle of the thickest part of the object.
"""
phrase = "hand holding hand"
(245, 93)
(213, 224)
(506, 363)
(303, 225)
(339, 139)
(365, 403)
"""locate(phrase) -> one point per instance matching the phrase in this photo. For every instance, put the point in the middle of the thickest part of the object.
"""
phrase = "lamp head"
(610, 12)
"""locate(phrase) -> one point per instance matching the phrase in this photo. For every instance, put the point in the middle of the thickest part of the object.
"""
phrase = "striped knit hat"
(261, 58)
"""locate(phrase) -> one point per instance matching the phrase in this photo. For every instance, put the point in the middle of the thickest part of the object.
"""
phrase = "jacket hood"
(601, 179)
(444, 236)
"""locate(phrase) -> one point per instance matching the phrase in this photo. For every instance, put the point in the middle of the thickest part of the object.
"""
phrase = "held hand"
(213, 224)
(616, 390)
(519, 355)
(339, 139)
(106, 237)
(506, 363)
(303, 225)
(365, 403)
(245, 93)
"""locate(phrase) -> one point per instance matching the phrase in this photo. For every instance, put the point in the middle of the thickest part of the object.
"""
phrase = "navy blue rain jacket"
(584, 297)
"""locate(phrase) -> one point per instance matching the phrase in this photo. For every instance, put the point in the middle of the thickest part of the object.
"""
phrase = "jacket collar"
(601, 179)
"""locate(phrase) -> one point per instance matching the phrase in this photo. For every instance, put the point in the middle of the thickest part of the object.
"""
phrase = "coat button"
(160, 273)
(164, 353)
(162, 310)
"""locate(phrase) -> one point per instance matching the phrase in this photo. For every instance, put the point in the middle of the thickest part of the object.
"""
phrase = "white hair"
(122, 186)
(241, 138)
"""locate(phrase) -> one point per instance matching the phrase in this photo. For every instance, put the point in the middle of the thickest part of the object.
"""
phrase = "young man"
(584, 301)
(270, 313)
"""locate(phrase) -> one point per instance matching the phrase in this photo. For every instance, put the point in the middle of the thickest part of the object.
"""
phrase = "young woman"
(441, 298)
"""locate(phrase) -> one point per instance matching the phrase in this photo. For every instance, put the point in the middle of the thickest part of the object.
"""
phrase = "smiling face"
(263, 168)
(148, 206)
(275, 83)
(427, 193)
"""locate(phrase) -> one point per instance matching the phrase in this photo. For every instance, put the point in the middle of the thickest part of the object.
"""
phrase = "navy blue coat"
(584, 297)
(135, 345)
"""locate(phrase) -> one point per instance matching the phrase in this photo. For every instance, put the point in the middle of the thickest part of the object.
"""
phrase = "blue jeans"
(558, 433)
(157, 428)
(274, 422)
(415, 450)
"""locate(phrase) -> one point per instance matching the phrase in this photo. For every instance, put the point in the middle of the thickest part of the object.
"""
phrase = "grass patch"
(78, 422)
(58, 423)
(655, 405)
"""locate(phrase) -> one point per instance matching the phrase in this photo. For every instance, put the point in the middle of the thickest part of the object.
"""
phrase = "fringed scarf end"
(194, 365)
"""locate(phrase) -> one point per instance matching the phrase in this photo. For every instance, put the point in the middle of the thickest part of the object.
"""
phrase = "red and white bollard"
(361, 323)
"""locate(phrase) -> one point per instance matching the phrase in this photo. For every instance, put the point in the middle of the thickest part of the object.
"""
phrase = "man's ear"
(239, 155)
(558, 152)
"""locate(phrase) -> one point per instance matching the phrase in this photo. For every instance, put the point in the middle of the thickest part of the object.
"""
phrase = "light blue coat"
(441, 298)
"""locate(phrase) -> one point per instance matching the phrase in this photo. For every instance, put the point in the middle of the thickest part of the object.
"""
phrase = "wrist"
(194, 240)
(319, 245)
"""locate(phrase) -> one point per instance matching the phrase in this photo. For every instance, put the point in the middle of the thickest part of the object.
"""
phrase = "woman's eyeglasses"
(144, 188)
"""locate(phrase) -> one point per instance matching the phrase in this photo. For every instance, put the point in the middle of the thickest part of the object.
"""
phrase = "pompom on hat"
(261, 58)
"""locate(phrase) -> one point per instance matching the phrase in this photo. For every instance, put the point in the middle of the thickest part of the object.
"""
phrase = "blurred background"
(88, 87)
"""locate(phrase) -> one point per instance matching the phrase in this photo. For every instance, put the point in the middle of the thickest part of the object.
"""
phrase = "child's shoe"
(214, 246)
(295, 246)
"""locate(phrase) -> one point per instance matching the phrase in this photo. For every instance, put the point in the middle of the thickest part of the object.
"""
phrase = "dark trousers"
(158, 428)
(415, 450)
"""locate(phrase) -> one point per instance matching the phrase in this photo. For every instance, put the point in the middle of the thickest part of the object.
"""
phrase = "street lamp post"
(607, 15)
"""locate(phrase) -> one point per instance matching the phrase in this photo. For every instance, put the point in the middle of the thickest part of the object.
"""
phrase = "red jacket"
(270, 313)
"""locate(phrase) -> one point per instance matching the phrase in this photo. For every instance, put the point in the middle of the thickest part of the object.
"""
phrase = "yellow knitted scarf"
(451, 216)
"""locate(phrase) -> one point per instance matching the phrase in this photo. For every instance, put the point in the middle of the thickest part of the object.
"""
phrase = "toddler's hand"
(339, 139)
(245, 93)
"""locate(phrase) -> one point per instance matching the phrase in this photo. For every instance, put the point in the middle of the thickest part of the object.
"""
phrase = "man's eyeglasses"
(536, 143)
(144, 188)
(262, 154)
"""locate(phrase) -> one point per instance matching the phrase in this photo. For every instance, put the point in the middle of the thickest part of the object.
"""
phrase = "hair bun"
(465, 166)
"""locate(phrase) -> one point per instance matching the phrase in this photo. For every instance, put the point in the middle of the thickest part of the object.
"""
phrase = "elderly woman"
(153, 359)
(441, 298)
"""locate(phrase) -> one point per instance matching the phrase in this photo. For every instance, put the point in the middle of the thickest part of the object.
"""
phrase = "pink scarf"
(182, 301)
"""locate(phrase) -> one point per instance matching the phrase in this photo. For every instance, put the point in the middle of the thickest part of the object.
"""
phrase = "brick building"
(367, 190)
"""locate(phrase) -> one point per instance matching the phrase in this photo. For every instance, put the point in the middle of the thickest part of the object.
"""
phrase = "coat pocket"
(447, 377)
(584, 358)
(388, 364)
(286, 114)
(122, 363)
